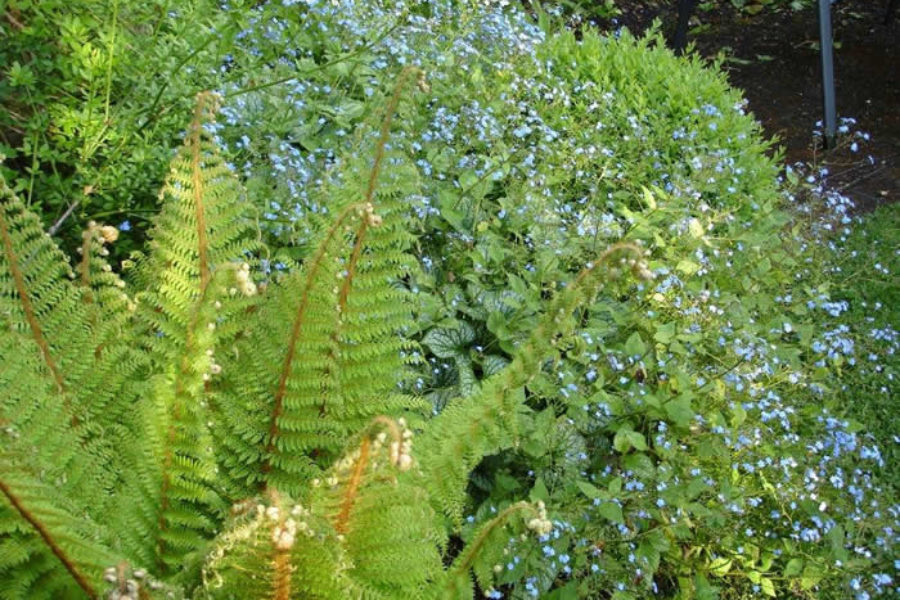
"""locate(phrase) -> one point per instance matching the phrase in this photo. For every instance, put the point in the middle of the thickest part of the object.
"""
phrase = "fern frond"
(375, 499)
(62, 534)
(54, 482)
(484, 423)
(275, 549)
(34, 291)
(485, 550)
(338, 363)
(188, 273)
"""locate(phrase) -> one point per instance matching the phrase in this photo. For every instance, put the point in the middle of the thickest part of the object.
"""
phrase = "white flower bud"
(405, 462)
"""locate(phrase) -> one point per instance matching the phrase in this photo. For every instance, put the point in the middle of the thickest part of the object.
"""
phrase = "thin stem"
(197, 183)
(353, 485)
(465, 560)
(57, 551)
(112, 50)
(296, 330)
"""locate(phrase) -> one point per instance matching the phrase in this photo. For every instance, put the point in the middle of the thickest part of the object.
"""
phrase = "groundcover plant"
(702, 434)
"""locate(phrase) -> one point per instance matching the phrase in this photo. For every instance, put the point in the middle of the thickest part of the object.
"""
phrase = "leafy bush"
(694, 436)
(663, 426)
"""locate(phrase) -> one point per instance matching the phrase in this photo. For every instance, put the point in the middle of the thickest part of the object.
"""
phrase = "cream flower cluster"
(368, 213)
(540, 524)
(245, 284)
(284, 532)
(128, 588)
(401, 451)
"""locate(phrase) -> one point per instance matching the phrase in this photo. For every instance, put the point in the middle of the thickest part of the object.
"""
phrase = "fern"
(308, 386)
(133, 420)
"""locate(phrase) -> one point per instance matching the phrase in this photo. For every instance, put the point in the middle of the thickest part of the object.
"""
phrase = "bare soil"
(773, 57)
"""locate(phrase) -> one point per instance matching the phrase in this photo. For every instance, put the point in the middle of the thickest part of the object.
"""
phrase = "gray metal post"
(826, 50)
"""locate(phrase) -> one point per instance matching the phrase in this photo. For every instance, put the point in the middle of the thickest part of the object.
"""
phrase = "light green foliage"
(651, 426)
(235, 431)
(141, 503)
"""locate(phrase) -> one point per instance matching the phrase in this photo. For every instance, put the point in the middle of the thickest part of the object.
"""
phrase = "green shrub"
(690, 437)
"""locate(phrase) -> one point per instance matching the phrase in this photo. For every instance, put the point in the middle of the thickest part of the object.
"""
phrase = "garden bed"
(773, 57)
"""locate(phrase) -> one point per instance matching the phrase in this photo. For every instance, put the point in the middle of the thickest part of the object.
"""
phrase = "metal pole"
(826, 50)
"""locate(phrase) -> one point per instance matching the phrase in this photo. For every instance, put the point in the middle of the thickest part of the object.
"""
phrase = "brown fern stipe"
(85, 266)
(296, 328)
(383, 135)
(281, 564)
(203, 110)
(349, 499)
(58, 552)
(204, 100)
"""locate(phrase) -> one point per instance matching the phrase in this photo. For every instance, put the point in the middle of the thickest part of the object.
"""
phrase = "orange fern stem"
(28, 309)
(343, 518)
(385, 132)
(281, 565)
(202, 110)
(58, 552)
(85, 266)
(168, 456)
(383, 136)
(296, 329)
(281, 561)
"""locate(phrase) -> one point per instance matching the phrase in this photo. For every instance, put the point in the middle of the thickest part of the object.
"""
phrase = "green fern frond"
(485, 550)
(36, 296)
(376, 501)
(58, 549)
(335, 364)
(484, 423)
(276, 549)
(191, 267)
(50, 482)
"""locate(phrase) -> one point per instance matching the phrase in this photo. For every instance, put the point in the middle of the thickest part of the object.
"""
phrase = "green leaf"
(450, 343)
(679, 411)
(615, 486)
(641, 464)
(635, 345)
(649, 200)
(687, 267)
(695, 228)
(539, 491)
(611, 511)
(665, 333)
(590, 490)
(768, 587)
(627, 438)
(720, 566)
(492, 364)
(793, 568)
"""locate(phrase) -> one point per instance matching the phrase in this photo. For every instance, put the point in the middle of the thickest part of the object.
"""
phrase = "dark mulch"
(774, 58)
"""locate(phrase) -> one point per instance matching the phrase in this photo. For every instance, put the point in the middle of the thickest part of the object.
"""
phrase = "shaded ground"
(774, 58)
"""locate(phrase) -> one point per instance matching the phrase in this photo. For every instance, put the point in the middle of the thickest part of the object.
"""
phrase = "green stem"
(112, 50)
